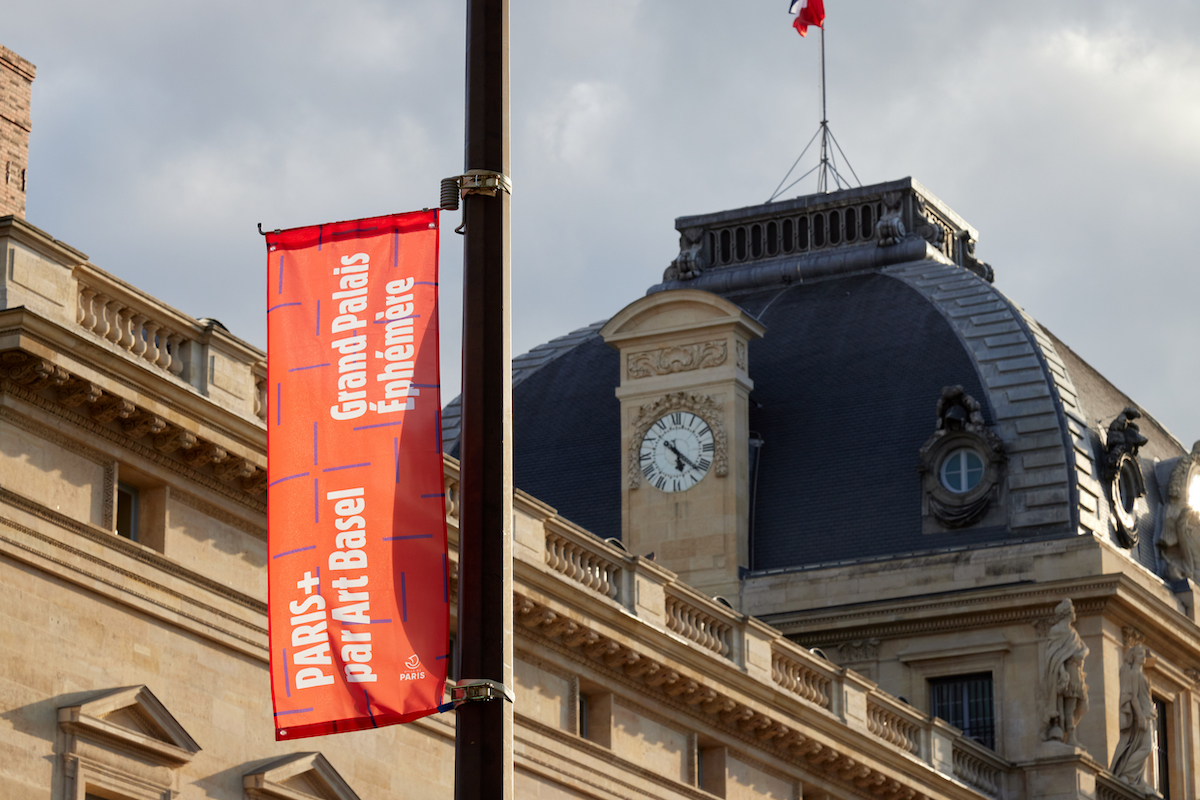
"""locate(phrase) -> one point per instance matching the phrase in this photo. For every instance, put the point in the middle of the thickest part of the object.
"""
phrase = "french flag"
(807, 12)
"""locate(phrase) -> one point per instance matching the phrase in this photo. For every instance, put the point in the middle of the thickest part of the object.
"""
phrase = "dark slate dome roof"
(846, 384)
(860, 340)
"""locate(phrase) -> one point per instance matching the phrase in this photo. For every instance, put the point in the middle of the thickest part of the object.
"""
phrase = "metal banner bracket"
(473, 181)
(467, 691)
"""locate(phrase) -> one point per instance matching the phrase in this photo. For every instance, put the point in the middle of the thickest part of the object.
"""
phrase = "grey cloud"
(164, 132)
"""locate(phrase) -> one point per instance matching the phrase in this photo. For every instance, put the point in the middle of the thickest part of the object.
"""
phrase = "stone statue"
(1137, 717)
(690, 263)
(1124, 437)
(957, 410)
(1179, 543)
(1064, 691)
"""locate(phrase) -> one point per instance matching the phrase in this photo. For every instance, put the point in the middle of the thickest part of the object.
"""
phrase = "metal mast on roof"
(827, 166)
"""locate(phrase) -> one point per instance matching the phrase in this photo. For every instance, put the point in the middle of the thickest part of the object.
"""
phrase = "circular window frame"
(953, 509)
(962, 453)
(1125, 489)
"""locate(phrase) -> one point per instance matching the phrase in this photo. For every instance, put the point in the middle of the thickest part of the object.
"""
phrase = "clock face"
(677, 451)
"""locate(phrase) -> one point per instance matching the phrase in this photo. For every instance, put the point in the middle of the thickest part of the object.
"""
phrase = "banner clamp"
(473, 181)
(466, 691)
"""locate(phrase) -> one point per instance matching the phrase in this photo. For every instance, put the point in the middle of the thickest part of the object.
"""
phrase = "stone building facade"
(764, 650)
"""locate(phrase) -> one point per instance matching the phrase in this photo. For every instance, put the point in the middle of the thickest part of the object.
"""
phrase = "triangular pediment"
(133, 717)
(300, 776)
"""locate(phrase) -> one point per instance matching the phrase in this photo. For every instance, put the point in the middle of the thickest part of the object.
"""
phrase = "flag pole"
(483, 756)
(823, 175)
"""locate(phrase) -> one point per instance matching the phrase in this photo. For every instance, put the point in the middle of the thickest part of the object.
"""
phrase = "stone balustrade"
(979, 768)
(895, 722)
(136, 327)
(692, 622)
(201, 353)
(802, 673)
(1109, 787)
(583, 562)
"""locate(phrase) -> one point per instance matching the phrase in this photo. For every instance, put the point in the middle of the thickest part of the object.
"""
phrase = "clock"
(676, 451)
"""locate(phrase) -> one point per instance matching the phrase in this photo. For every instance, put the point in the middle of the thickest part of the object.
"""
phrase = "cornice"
(127, 443)
(88, 358)
(1117, 596)
(939, 611)
(766, 726)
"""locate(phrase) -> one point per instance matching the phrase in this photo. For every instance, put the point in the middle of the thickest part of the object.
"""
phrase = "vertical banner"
(358, 584)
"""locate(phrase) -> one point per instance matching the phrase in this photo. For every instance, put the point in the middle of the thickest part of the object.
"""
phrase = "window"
(962, 470)
(127, 511)
(710, 768)
(965, 701)
(1160, 772)
(1127, 488)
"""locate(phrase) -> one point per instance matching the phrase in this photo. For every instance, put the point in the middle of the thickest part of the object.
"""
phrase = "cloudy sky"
(1068, 133)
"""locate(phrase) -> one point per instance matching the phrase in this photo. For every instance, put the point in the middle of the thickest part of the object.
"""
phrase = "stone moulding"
(677, 358)
(702, 405)
(252, 638)
(765, 731)
(136, 424)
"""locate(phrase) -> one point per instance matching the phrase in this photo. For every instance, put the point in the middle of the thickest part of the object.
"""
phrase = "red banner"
(358, 585)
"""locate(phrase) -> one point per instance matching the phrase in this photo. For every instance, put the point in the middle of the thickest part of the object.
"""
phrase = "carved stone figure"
(957, 410)
(1124, 438)
(889, 230)
(1179, 543)
(927, 226)
(690, 262)
(1137, 717)
(1064, 691)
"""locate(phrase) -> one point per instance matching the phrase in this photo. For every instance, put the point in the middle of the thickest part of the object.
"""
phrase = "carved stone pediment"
(131, 719)
(300, 775)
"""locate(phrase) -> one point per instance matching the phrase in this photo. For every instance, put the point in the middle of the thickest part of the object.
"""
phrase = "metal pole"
(823, 177)
(483, 741)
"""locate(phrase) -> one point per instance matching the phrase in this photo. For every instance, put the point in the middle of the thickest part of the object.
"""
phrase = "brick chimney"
(16, 83)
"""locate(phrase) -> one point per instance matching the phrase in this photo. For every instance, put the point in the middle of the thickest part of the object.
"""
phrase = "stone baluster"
(138, 333)
(152, 342)
(84, 315)
(126, 323)
(115, 322)
(164, 348)
(176, 365)
(100, 305)
(113, 314)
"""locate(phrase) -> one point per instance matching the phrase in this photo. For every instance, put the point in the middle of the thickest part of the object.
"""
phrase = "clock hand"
(680, 457)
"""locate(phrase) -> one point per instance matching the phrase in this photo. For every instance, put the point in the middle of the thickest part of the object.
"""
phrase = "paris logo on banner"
(359, 599)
